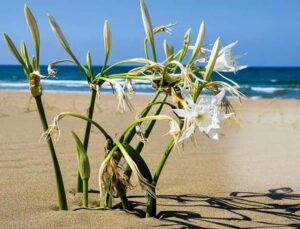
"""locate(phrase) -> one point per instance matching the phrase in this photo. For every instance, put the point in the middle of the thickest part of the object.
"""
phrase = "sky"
(268, 30)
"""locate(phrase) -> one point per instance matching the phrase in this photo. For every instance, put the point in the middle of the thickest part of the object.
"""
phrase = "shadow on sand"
(278, 208)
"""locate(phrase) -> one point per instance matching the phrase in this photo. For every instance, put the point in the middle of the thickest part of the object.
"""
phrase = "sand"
(249, 178)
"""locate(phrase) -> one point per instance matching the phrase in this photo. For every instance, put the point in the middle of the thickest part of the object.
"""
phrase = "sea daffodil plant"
(184, 82)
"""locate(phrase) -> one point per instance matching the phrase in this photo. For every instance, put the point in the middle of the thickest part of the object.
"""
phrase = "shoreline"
(136, 94)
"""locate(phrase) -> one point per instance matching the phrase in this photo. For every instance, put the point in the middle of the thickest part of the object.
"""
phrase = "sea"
(254, 82)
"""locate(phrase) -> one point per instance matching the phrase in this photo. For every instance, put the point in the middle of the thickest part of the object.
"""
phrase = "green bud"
(107, 38)
(89, 62)
(11, 46)
(212, 59)
(199, 42)
(34, 30)
(24, 54)
(185, 45)
(146, 21)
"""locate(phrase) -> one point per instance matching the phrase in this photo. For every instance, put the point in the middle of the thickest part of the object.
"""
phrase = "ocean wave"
(267, 89)
(273, 89)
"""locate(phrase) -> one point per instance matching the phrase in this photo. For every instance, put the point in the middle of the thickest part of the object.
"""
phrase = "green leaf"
(139, 161)
(212, 60)
(11, 46)
(82, 159)
(34, 30)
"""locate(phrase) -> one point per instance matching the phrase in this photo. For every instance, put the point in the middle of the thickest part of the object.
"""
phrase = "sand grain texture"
(249, 178)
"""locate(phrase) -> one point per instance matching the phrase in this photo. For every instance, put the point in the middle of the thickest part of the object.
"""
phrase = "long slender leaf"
(82, 158)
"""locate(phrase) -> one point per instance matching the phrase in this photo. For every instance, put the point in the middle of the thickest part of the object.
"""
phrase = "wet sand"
(249, 178)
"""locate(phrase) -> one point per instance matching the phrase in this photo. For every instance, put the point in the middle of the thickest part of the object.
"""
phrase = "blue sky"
(269, 30)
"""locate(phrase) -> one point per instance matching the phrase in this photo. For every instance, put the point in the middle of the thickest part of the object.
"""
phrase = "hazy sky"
(269, 30)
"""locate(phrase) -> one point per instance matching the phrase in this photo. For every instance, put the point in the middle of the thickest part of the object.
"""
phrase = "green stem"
(151, 203)
(62, 201)
(87, 133)
(130, 134)
(85, 194)
(122, 194)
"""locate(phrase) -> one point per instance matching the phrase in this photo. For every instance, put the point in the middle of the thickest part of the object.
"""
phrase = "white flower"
(164, 28)
(174, 131)
(205, 114)
(51, 71)
(227, 62)
(53, 131)
(123, 99)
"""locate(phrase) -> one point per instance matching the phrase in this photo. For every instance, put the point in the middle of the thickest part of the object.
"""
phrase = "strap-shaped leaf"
(34, 30)
(212, 59)
(11, 46)
(82, 159)
(141, 164)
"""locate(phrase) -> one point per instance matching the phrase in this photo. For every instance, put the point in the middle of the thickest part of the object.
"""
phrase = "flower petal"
(182, 113)
(187, 133)
(187, 96)
(213, 134)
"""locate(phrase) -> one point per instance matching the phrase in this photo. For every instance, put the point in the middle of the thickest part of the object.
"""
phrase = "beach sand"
(249, 178)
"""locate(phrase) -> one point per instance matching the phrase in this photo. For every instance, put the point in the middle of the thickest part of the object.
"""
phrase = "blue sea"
(255, 82)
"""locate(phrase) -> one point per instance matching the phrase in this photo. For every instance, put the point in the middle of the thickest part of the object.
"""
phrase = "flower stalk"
(62, 201)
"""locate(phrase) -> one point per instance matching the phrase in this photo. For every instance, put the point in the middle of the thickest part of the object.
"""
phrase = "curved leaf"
(141, 164)
(82, 158)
